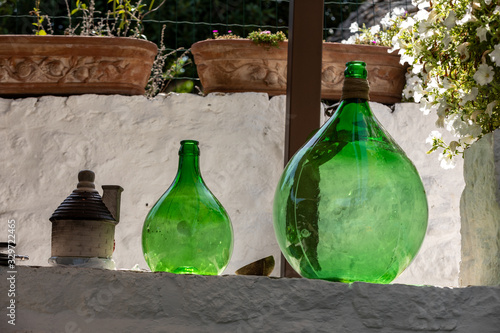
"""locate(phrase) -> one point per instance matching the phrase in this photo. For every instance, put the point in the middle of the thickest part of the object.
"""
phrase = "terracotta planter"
(240, 65)
(67, 65)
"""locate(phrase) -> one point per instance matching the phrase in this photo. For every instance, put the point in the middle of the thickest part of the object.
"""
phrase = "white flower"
(446, 85)
(354, 27)
(427, 106)
(408, 91)
(405, 58)
(488, 2)
(351, 40)
(418, 48)
(417, 68)
(413, 88)
(468, 17)
(421, 3)
(469, 139)
(497, 10)
(408, 23)
(451, 20)
(418, 93)
(399, 11)
(481, 32)
(465, 19)
(425, 29)
(433, 83)
(470, 96)
(413, 79)
(386, 21)
(490, 107)
(495, 55)
(484, 74)
(464, 51)
(375, 29)
(432, 136)
(447, 161)
(421, 15)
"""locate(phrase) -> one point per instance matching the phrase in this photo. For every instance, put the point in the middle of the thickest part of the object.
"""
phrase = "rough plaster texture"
(438, 260)
(93, 300)
(133, 142)
(480, 211)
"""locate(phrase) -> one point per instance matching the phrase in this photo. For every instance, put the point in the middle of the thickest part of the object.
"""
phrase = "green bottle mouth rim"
(189, 147)
(356, 69)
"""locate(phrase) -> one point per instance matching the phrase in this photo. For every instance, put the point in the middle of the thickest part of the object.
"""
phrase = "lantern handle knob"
(86, 181)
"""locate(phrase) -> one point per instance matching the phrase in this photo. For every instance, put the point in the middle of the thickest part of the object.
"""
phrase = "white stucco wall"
(438, 260)
(133, 142)
(480, 213)
(76, 300)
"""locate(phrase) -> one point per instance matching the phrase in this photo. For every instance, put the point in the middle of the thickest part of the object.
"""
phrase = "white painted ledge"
(93, 300)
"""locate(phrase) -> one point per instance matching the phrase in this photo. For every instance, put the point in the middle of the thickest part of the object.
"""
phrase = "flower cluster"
(264, 38)
(380, 34)
(229, 35)
(453, 47)
(267, 38)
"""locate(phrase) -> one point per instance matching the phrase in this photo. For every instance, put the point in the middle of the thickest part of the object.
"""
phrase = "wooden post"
(303, 95)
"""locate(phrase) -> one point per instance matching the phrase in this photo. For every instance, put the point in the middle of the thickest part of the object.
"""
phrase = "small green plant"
(40, 20)
(229, 35)
(267, 38)
(264, 38)
(125, 19)
(165, 69)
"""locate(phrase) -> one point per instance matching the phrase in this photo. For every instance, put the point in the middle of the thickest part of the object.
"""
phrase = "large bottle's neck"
(189, 168)
(357, 88)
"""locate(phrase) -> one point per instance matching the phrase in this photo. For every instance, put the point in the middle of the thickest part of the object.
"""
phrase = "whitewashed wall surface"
(133, 142)
(76, 300)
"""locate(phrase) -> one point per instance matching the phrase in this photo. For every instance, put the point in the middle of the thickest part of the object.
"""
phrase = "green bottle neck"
(189, 169)
(189, 166)
(355, 82)
(353, 121)
(355, 113)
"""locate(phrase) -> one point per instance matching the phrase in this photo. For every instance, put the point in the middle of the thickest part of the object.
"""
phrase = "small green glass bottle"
(188, 231)
(350, 205)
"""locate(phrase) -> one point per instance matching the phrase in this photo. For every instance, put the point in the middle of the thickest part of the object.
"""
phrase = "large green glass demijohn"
(188, 231)
(350, 205)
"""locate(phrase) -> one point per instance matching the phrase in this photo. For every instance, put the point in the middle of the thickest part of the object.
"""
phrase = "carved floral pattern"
(60, 70)
(262, 73)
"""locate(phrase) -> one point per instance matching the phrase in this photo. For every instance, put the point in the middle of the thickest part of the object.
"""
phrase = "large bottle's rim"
(189, 147)
(356, 69)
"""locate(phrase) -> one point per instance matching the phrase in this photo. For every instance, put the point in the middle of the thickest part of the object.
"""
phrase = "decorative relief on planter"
(60, 70)
(240, 65)
(263, 74)
(63, 65)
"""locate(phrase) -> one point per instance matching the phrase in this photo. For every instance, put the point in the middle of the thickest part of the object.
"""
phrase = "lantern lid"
(84, 203)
